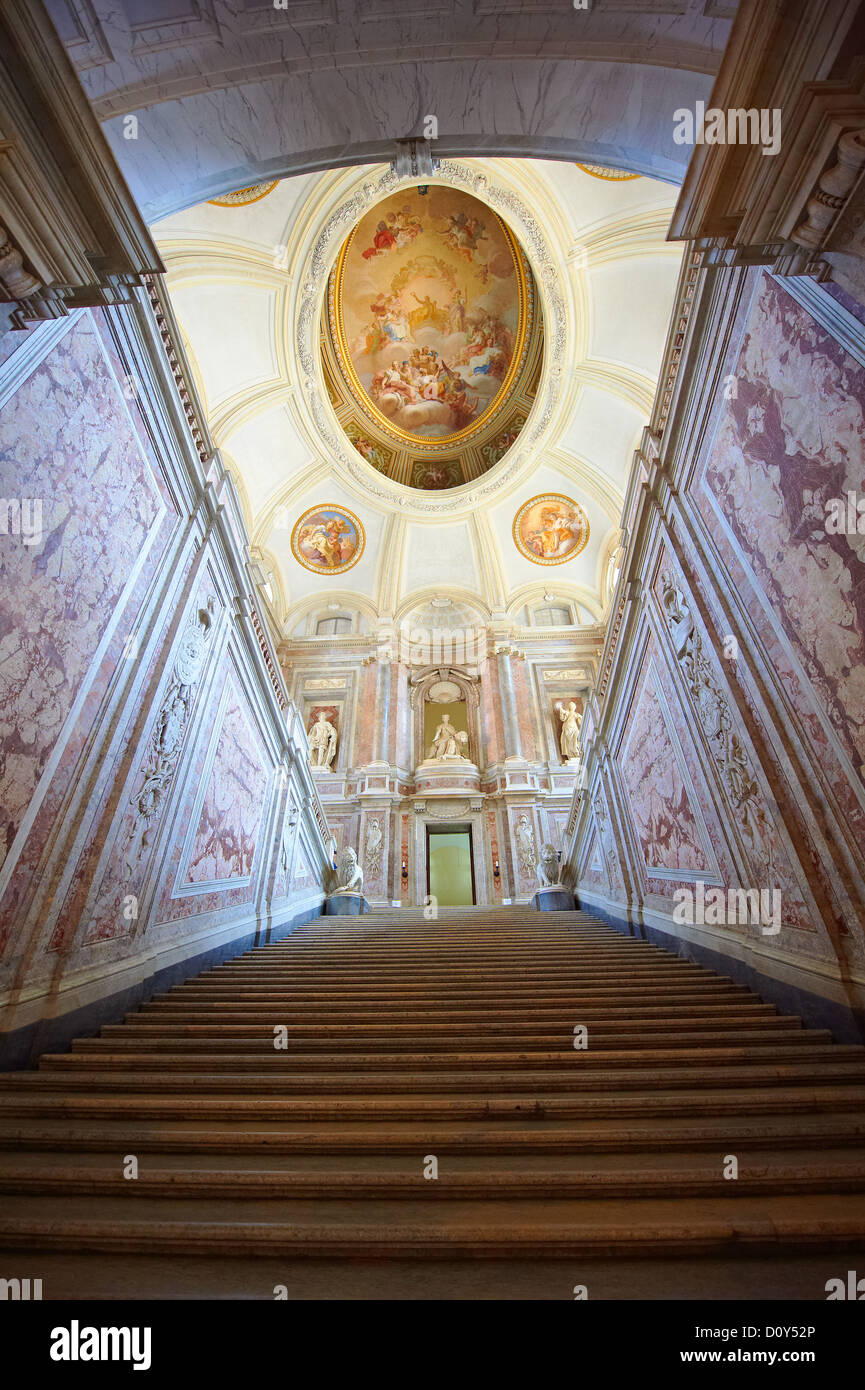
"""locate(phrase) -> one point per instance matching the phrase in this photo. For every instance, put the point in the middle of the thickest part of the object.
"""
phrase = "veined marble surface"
(230, 92)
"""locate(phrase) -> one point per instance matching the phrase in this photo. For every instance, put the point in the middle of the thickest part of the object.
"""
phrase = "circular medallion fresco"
(550, 529)
(432, 339)
(328, 540)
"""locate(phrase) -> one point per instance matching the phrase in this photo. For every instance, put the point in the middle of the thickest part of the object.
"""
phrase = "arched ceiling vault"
(230, 92)
(238, 277)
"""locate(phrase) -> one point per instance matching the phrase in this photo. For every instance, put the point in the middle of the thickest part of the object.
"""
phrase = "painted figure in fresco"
(383, 240)
(322, 742)
(570, 732)
(328, 541)
(555, 534)
(464, 234)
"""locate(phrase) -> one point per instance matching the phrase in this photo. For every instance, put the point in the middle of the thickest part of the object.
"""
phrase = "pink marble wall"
(70, 437)
(658, 800)
(227, 832)
(791, 439)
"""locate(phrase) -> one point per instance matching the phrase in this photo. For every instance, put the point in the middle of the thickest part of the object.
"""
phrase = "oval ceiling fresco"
(432, 342)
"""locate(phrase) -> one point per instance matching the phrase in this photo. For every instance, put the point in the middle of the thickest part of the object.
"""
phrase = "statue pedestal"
(439, 774)
(556, 899)
(347, 904)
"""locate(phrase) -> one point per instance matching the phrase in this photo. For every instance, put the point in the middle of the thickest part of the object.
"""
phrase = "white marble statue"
(448, 741)
(349, 873)
(322, 742)
(570, 733)
(548, 868)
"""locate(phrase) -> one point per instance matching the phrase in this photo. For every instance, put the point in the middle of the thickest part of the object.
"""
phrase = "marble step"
(524, 1134)
(468, 1229)
(385, 995)
(401, 1038)
(743, 1276)
(306, 1176)
(107, 1052)
(60, 1175)
(808, 1098)
(670, 1015)
(239, 1074)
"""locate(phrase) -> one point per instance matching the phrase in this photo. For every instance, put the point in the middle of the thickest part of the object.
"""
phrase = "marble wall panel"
(72, 437)
(230, 817)
(658, 799)
(791, 439)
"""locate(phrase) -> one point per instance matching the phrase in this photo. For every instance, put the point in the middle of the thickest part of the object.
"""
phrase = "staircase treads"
(472, 1229)
(523, 1135)
(565, 1055)
(233, 1075)
(700, 1175)
(454, 1038)
(789, 1099)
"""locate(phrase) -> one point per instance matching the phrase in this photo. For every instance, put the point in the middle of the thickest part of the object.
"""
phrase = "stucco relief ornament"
(289, 827)
(599, 807)
(372, 851)
(713, 713)
(526, 853)
(168, 729)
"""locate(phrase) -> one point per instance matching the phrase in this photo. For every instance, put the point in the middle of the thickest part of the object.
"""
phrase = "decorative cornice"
(160, 312)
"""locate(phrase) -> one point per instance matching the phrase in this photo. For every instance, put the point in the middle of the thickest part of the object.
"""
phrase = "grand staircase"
(288, 1109)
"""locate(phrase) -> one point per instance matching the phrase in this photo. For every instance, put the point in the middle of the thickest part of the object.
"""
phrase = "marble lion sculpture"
(349, 873)
(548, 868)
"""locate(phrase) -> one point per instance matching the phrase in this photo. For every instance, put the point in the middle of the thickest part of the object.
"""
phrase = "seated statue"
(448, 741)
(548, 869)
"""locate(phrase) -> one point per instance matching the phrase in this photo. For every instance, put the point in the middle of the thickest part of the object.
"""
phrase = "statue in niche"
(548, 868)
(569, 737)
(322, 742)
(448, 741)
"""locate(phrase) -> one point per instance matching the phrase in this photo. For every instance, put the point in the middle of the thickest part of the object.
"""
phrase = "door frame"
(446, 828)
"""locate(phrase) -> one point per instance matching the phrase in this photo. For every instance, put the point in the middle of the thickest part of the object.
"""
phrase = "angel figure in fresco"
(464, 234)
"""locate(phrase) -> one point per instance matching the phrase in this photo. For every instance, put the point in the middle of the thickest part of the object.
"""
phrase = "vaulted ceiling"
(228, 92)
(248, 284)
